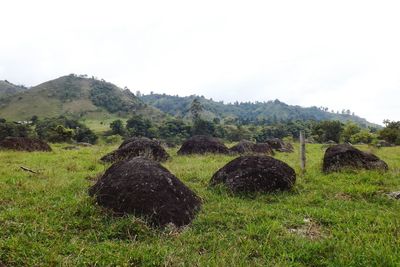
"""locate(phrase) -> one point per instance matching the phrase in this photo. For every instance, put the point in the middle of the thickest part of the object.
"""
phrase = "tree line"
(175, 130)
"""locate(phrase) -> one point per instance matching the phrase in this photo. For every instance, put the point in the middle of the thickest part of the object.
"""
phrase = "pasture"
(339, 219)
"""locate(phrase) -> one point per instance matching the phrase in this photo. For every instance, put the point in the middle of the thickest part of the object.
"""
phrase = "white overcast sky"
(338, 54)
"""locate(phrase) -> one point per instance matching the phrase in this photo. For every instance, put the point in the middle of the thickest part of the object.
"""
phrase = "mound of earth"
(383, 143)
(278, 145)
(201, 144)
(255, 174)
(135, 147)
(247, 147)
(24, 144)
(345, 156)
(145, 188)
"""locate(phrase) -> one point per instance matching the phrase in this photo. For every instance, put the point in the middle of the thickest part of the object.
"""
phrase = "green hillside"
(247, 112)
(75, 96)
(8, 89)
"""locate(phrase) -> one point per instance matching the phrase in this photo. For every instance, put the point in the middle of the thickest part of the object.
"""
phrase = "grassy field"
(341, 219)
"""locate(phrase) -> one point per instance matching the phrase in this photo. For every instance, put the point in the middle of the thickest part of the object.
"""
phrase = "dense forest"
(260, 113)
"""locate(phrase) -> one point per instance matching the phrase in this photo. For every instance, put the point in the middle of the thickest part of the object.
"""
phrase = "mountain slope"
(74, 96)
(8, 89)
(258, 112)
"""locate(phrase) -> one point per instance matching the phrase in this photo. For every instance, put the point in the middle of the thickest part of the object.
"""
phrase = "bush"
(62, 129)
(117, 127)
(391, 133)
(363, 136)
(84, 134)
(141, 127)
(325, 131)
(113, 139)
(9, 129)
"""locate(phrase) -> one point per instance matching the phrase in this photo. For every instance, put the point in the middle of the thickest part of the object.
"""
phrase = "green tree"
(327, 131)
(349, 130)
(139, 126)
(364, 136)
(391, 132)
(84, 134)
(203, 127)
(174, 131)
(117, 127)
(195, 109)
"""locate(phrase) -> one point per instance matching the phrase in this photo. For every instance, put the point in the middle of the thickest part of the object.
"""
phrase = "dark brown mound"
(255, 174)
(201, 144)
(278, 145)
(383, 143)
(247, 147)
(145, 188)
(24, 144)
(138, 146)
(345, 156)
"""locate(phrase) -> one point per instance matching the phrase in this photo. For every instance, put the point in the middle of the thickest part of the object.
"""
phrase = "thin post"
(302, 152)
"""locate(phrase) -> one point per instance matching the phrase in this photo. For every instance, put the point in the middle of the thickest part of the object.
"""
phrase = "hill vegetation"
(74, 96)
(270, 112)
(8, 89)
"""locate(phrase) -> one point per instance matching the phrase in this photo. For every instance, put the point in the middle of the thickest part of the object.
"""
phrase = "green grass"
(340, 219)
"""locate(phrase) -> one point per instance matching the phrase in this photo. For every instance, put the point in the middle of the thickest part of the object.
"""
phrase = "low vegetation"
(337, 219)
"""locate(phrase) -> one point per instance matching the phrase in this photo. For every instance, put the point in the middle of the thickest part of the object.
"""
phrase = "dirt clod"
(201, 144)
(145, 188)
(135, 147)
(247, 147)
(278, 145)
(24, 144)
(345, 156)
(255, 174)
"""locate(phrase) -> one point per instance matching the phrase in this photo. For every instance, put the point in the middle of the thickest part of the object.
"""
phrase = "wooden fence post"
(302, 152)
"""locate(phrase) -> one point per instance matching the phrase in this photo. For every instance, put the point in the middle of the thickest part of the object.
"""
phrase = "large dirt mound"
(255, 174)
(138, 146)
(201, 144)
(278, 145)
(345, 156)
(145, 188)
(24, 144)
(247, 147)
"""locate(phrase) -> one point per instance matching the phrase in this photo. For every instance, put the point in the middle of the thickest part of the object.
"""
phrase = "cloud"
(341, 54)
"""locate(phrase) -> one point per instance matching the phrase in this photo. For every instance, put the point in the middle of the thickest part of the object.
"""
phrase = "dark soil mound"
(247, 147)
(138, 146)
(278, 145)
(345, 156)
(24, 144)
(145, 188)
(201, 144)
(255, 174)
(383, 143)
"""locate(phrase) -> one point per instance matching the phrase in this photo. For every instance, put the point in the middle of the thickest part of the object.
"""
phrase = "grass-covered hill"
(270, 111)
(8, 89)
(74, 96)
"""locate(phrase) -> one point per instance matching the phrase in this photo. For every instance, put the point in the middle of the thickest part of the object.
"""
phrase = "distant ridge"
(8, 89)
(83, 97)
(76, 96)
(247, 112)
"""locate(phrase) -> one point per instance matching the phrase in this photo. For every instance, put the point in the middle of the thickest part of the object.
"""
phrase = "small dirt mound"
(24, 144)
(255, 174)
(201, 144)
(145, 188)
(247, 147)
(383, 143)
(345, 156)
(278, 145)
(138, 146)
